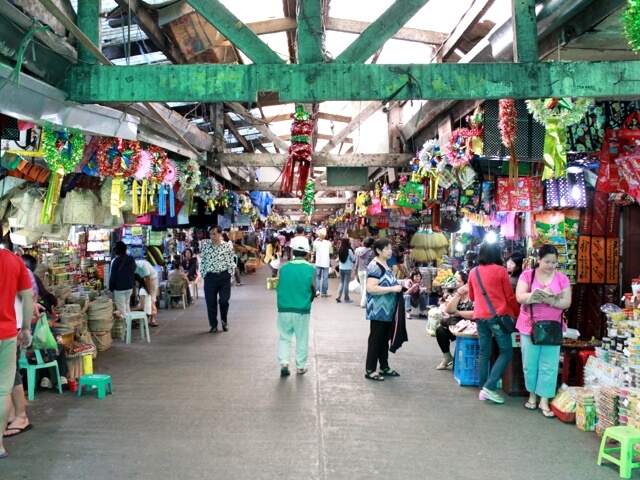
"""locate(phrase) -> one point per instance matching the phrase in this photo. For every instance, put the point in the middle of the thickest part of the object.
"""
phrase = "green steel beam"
(525, 43)
(236, 32)
(88, 20)
(310, 32)
(324, 82)
(376, 34)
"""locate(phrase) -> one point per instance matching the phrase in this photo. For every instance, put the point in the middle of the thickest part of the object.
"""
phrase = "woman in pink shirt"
(540, 362)
(498, 288)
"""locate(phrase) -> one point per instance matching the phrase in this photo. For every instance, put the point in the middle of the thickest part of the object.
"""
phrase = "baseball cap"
(300, 244)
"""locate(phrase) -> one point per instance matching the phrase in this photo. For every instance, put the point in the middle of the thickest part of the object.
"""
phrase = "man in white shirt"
(323, 250)
(150, 277)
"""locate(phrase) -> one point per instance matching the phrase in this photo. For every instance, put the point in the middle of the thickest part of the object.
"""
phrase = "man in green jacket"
(295, 292)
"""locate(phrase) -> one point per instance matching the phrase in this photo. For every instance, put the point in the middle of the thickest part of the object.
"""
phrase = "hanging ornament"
(556, 114)
(159, 167)
(508, 116)
(298, 162)
(476, 120)
(118, 157)
(309, 197)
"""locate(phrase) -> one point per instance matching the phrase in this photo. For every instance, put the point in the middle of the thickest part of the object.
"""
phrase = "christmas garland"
(189, 174)
(563, 110)
(458, 151)
(631, 24)
(159, 164)
(63, 150)
(118, 157)
(508, 116)
(309, 197)
(171, 174)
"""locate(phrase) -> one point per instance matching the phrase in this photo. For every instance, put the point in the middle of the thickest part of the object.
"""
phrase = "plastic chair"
(176, 289)
(144, 325)
(31, 371)
(193, 284)
(100, 381)
(627, 437)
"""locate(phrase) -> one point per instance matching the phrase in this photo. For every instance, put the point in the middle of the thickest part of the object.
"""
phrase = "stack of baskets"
(251, 265)
(100, 316)
(71, 317)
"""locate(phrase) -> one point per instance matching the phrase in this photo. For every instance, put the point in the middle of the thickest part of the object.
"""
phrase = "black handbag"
(546, 332)
(507, 322)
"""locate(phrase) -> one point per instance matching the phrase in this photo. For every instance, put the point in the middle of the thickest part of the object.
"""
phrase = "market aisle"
(196, 405)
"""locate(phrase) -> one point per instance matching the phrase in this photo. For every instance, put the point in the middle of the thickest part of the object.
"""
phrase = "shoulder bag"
(507, 322)
(544, 332)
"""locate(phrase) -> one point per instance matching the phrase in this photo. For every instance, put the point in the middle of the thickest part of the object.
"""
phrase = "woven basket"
(100, 324)
(102, 340)
(117, 330)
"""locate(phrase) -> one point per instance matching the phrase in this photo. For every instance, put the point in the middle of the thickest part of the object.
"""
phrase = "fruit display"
(445, 278)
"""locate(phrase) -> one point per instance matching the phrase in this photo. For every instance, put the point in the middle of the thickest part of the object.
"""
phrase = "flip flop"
(6, 433)
(374, 376)
(387, 372)
(4, 455)
(530, 405)
(547, 413)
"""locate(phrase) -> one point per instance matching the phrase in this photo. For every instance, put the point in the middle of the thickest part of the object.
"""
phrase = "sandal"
(154, 324)
(374, 376)
(530, 405)
(387, 372)
(547, 413)
(444, 365)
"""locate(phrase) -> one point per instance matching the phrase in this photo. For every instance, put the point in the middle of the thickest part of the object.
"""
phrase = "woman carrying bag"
(544, 294)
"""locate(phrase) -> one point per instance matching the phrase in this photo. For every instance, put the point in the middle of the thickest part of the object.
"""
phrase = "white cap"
(322, 233)
(300, 244)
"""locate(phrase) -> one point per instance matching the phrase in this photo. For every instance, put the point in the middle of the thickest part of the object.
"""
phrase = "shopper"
(295, 292)
(216, 268)
(121, 277)
(459, 307)
(273, 255)
(540, 362)
(323, 250)
(364, 256)
(496, 283)
(514, 268)
(414, 296)
(382, 287)
(178, 275)
(190, 265)
(346, 257)
(15, 281)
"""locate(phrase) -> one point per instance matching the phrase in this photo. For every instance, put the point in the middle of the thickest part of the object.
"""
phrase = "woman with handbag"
(546, 294)
(493, 299)
(273, 255)
(346, 258)
(459, 307)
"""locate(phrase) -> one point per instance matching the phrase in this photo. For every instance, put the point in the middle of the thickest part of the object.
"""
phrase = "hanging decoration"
(189, 177)
(476, 120)
(299, 159)
(458, 151)
(309, 197)
(556, 114)
(507, 123)
(63, 152)
(159, 164)
(631, 24)
(118, 158)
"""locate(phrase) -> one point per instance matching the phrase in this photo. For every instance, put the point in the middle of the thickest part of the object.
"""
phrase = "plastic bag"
(275, 263)
(354, 286)
(43, 339)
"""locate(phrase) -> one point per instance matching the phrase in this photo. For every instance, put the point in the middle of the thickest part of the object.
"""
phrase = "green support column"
(88, 20)
(310, 33)
(525, 31)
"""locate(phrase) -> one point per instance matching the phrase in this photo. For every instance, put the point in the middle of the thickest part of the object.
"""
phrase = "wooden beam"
(525, 31)
(381, 30)
(310, 38)
(470, 18)
(275, 186)
(317, 136)
(341, 136)
(293, 202)
(263, 129)
(408, 34)
(320, 116)
(237, 32)
(387, 160)
(332, 81)
(149, 26)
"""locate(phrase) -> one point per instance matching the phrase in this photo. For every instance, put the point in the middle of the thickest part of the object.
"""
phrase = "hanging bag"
(507, 322)
(43, 339)
(544, 332)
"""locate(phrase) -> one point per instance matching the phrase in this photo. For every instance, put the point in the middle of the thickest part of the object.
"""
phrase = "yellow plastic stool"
(96, 380)
(627, 437)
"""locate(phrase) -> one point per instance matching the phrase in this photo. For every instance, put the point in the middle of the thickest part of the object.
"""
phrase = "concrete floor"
(194, 405)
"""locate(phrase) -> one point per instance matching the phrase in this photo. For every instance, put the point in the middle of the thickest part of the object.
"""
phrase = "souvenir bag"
(507, 322)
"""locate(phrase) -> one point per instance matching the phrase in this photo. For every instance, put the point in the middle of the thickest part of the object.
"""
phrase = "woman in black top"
(190, 264)
(514, 268)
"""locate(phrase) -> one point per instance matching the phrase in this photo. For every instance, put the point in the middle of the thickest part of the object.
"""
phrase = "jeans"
(289, 324)
(345, 277)
(540, 365)
(422, 302)
(217, 290)
(488, 328)
(322, 280)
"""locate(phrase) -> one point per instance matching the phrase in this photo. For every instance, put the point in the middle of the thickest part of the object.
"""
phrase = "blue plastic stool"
(96, 380)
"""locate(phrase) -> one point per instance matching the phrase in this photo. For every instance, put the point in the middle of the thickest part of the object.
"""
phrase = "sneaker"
(348, 301)
(46, 383)
(408, 315)
(486, 394)
(239, 284)
(301, 371)
(284, 370)
(338, 299)
(325, 295)
(317, 293)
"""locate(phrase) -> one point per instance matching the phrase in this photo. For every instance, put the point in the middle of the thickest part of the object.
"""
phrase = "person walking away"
(122, 277)
(323, 250)
(15, 281)
(346, 258)
(498, 288)
(540, 362)
(217, 268)
(295, 292)
(382, 287)
(364, 256)
(459, 307)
